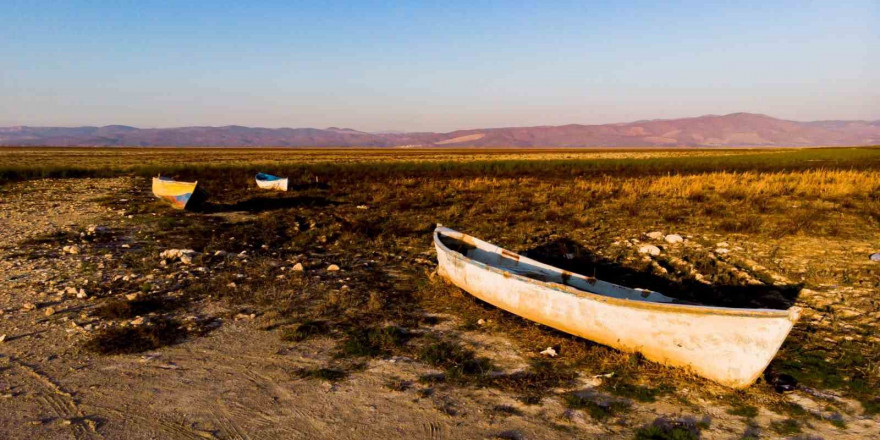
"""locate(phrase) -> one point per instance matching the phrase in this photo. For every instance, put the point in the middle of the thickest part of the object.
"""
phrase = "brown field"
(238, 343)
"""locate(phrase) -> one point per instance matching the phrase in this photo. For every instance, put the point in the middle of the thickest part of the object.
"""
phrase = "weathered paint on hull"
(277, 185)
(729, 346)
(177, 194)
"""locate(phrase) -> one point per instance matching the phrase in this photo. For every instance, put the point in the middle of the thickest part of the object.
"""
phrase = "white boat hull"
(729, 346)
(277, 185)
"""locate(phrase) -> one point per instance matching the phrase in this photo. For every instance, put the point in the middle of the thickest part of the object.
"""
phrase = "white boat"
(268, 181)
(727, 345)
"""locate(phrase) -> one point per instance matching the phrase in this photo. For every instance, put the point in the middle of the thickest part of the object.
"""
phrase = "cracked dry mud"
(235, 382)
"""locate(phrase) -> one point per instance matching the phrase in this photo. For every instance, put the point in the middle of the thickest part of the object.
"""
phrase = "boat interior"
(496, 257)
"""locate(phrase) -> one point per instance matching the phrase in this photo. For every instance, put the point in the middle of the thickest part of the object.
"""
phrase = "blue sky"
(432, 65)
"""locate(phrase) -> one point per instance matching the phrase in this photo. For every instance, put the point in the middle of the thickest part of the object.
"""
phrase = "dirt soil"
(238, 381)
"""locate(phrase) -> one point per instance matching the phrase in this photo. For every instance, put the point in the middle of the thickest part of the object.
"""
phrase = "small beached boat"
(268, 181)
(727, 345)
(179, 194)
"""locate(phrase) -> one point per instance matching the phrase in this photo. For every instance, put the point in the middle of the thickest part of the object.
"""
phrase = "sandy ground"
(237, 382)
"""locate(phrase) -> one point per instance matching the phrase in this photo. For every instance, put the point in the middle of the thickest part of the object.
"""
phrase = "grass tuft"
(328, 374)
(304, 331)
(597, 407)
(459, 362)
(126, 340)
(669, 429)
(746, 411)
(373, 341)
(786, 427)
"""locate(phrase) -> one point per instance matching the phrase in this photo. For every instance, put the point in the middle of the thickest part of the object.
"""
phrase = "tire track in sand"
(60, 402)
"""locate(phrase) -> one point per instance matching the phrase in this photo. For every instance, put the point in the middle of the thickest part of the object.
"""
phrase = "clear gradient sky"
(437, 66)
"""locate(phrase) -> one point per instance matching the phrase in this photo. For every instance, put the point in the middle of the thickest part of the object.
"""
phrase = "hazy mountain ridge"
(733, 130)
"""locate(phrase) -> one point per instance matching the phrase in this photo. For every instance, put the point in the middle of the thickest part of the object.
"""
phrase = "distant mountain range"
(733, 130)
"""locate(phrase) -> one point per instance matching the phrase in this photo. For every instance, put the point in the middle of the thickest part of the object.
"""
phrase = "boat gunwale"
(792, 313)
(274, 178)
(170, 180)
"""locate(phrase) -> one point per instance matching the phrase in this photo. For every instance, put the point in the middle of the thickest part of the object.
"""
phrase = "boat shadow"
(569, 255)
(263, 204)
(307, 186)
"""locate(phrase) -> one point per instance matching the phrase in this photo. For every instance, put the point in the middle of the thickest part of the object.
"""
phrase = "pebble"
(82, 294)
(655, 235)
(49, 311)
(550, 352)
(28, 306)
(184, 255)
(673, 238)
(875, 257)
(2, 337)
(298, 267)
(481, 321)
(332, 268)
(649, 249)
(71, 249)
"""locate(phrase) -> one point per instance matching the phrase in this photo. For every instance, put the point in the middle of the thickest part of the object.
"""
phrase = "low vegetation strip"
(191, 163)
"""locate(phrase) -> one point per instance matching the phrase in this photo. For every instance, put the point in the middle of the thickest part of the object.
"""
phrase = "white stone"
(655, 235)
(649, 249)
(673, 238)
(173, 254)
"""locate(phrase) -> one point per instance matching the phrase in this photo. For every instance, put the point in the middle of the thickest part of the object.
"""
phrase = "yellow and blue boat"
(179, 194)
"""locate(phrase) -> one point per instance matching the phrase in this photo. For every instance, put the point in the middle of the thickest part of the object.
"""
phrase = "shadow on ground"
(263, 204)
